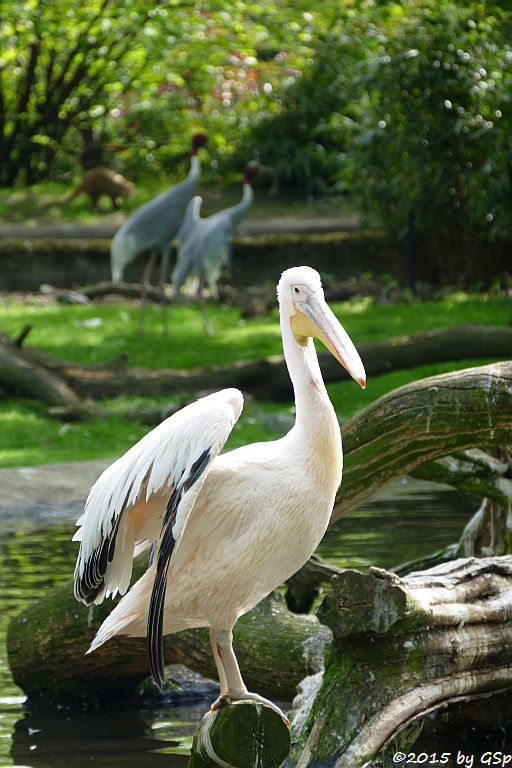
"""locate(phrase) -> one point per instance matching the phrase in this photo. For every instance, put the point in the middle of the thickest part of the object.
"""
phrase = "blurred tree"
(140, 76)
(303, 141)
(431, 111)
(59, 64)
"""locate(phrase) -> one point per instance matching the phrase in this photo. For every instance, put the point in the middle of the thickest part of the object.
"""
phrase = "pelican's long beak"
(315, 318)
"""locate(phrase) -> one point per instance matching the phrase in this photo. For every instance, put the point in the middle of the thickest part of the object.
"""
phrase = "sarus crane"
(229, 528)
(204, 244)
(153, 227)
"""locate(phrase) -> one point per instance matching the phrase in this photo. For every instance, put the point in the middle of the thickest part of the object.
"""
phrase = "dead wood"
(128, 290)
(246, 734)
(20, 376)
(268, 377)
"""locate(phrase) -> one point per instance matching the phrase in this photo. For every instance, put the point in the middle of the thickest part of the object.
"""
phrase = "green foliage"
(56, 72)
(399, 105)
(431, 119)
(135, 79)
(302, 144)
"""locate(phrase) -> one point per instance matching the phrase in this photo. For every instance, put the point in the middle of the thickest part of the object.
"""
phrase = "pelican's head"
(301, 297)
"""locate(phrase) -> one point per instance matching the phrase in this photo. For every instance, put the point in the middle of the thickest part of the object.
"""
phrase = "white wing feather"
(126, 505)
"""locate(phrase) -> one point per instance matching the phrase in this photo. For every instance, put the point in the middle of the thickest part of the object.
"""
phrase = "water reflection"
(410, 520)
(128, 737)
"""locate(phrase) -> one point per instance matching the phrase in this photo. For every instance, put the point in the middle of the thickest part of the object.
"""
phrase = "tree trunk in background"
(268, 377)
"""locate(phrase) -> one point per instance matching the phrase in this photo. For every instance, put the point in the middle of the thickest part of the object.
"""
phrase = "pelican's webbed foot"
(247, 696)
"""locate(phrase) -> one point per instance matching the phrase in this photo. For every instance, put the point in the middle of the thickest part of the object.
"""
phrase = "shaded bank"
(64, 262)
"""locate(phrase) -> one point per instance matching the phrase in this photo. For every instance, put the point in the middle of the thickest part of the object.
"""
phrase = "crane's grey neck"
(195, 168)
(185, 189)
(311, 398)
(237, 212)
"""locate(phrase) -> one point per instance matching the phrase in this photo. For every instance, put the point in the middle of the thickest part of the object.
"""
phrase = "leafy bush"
(431, 106)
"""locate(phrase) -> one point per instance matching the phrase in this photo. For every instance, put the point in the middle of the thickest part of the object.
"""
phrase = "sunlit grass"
(97, 332)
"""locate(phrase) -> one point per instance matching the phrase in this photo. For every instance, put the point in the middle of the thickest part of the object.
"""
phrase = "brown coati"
(100, 181)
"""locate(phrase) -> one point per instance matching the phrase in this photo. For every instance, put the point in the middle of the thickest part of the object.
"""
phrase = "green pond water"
(408, 521)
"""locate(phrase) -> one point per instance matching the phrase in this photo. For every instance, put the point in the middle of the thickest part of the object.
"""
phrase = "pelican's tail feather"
(110, 628)
(130, 615)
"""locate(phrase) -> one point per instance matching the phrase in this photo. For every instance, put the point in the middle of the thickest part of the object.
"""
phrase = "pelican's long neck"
(313, 409)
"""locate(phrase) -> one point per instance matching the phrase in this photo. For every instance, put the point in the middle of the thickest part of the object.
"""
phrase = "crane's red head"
(198, 140)
(251, 169)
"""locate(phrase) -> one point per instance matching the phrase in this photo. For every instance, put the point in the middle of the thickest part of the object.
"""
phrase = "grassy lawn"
(97, 332)
(45, 200)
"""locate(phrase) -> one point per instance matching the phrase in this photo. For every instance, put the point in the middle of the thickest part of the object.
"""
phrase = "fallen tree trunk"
(128, 290)
(403, 648)
(268, 377)
(245, 734)
(19, 375)
(419, 422)
(265, 377)
(47, 641)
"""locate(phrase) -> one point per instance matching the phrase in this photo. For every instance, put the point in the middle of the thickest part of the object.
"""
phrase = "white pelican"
(229, 528)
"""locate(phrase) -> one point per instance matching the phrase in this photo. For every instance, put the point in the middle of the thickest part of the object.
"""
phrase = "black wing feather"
(88, 586)
(167, 542)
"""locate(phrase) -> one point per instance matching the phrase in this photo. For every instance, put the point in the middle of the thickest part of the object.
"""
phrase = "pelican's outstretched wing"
(148, 493)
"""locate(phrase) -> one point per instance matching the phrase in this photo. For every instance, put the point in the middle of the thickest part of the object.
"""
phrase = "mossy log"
(47, 642)
(485, 473)
(403, 648)
(422, 421)
(241, 734)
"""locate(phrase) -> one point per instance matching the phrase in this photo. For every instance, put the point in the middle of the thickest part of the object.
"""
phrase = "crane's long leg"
(200, 295)
(231, 683)
(144, 290)
(164, 271)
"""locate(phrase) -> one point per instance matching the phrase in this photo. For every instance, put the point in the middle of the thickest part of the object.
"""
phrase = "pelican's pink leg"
(236, 688)
(220, 667)
(232, 684)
